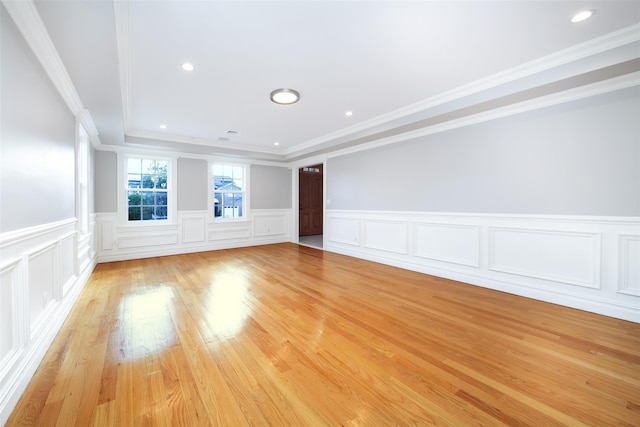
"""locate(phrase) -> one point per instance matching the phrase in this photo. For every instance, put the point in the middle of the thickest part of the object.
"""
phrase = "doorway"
(310, 205)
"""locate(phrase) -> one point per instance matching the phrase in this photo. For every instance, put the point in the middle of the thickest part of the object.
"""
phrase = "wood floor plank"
(287, 335)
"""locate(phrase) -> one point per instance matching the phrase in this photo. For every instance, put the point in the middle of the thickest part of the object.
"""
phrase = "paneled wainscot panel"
(229, 233)
(270, 225)
(9, 335)
(589, 263)
(565, 257)
(41, 275)
(344, 230)
(42, 284)
(193, 229)
(629, 268)
(384, 235)
(68, 261)
(458, 244)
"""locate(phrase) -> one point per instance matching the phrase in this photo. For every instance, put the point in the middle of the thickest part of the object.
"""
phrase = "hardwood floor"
(287, 335)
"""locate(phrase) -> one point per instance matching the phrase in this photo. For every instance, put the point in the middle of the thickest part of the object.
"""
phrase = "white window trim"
(83, 147)
(172, 197)
(245, 201)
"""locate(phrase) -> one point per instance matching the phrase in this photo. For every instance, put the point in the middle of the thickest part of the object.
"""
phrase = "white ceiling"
(371, 58)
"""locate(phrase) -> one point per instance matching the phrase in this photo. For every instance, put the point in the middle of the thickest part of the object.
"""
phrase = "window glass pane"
(228, 195)
(147, 181)
(133, 180)
(148, 198)
(147, 212)
(147, 165)
(161, 198)
(160, 213)
(134, 198)
(134, 213)
(134, 166)
(160, 173)
(217, 205)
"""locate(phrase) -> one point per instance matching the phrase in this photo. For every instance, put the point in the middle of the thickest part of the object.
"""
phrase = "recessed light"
(583, 15)
(285, 96)
(163, 126)
(232, 132)
(187, 66)
(349, 113)
(276, 143)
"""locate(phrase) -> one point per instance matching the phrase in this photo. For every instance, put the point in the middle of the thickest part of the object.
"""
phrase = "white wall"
(543, 204)
(576, 158)
(44, 259)
(35, 189)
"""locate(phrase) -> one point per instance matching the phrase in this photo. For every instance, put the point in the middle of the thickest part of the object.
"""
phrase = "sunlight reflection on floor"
(227, 303)
(146, 324)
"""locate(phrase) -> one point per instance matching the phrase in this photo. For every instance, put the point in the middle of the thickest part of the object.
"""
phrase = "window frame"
(245, 192)
(83, 147)
(123, 189)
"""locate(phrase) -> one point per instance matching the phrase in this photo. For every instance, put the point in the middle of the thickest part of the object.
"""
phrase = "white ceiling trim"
(121, 10)
(26, 17)
(593, 89)
(199, 141)
(598, 45)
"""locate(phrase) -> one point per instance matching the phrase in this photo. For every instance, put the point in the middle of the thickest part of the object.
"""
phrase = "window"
(147, 189)
(229, 191)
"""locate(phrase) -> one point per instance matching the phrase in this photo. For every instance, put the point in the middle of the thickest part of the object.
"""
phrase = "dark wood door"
(310, 197)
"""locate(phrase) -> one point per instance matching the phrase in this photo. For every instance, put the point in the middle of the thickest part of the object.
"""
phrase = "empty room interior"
(320, 213)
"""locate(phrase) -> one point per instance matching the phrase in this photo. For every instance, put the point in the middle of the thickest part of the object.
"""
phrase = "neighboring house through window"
(229, 191)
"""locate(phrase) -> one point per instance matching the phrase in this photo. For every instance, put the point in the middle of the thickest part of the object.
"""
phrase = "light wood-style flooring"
(286, 335)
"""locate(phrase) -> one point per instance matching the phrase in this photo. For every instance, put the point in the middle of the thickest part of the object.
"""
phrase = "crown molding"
(201, 141)
(87, 123)
(575, 53)
(594, 89)
(122, 16)
(26, 17)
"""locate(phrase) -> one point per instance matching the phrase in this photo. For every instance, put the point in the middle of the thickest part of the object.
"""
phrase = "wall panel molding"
(629, 264)
(193, 231)
(343, 230)
(385, 235)
(559, 256)
(42, 272)
(453, 243)
(588, 263)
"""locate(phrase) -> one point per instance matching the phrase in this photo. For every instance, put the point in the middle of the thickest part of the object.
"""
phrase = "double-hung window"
(229, 191)
(148, 187)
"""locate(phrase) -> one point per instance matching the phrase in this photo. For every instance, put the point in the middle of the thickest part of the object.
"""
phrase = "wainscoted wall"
(589, 263)
(193, 232)
(42, 271)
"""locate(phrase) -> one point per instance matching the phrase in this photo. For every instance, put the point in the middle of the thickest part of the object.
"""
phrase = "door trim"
(295, 198)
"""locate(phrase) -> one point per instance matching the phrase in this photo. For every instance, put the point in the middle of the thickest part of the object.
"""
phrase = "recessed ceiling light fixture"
(349, 113)
(187, 66)
(163, 126)
(285, 96)
(276, 143)
(583, 15)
